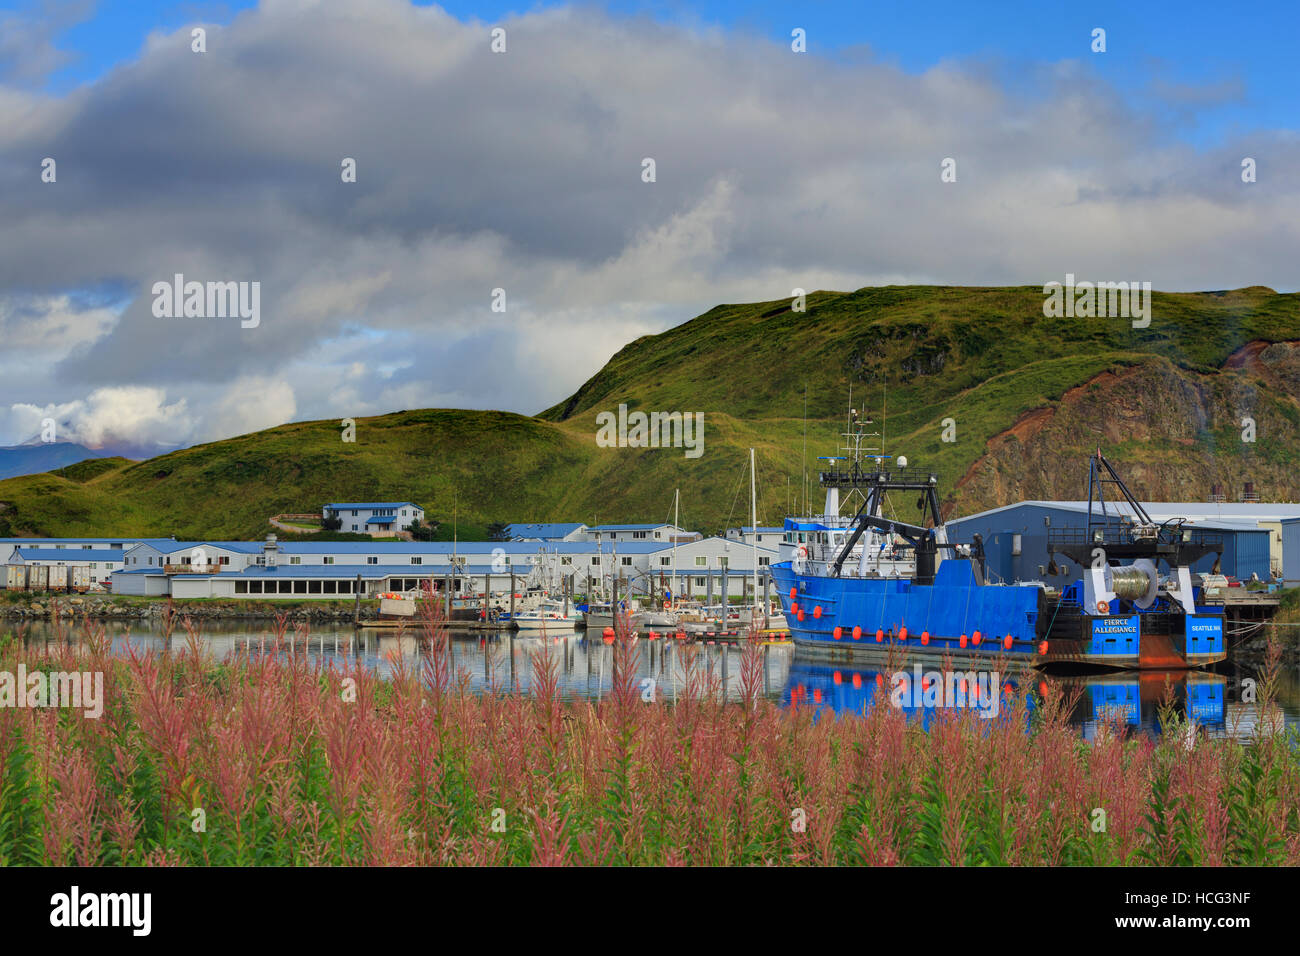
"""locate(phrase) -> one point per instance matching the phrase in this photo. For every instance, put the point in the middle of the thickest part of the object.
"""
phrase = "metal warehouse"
(1015, 536)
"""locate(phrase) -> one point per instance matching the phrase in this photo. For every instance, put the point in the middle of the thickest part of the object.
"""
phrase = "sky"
(525, 171)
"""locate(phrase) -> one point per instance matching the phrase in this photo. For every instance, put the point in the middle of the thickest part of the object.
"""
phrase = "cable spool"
(1138, 582)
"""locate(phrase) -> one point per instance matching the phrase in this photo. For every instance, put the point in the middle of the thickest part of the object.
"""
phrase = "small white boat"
(548, 615)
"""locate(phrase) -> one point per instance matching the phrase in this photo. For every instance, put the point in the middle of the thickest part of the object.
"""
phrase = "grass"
(278, 759)
(983, 357)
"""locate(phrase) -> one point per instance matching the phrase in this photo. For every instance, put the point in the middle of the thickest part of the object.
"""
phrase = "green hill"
(1027, 397)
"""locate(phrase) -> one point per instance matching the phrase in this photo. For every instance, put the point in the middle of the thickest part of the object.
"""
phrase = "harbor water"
(1224, 701)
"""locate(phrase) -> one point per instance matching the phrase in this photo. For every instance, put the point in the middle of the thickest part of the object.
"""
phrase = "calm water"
(1213, 699)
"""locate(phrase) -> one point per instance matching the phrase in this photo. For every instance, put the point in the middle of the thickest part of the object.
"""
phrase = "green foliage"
(985, 355)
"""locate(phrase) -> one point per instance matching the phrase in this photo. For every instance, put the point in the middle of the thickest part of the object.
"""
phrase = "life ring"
(1103, 607)
(802, 552)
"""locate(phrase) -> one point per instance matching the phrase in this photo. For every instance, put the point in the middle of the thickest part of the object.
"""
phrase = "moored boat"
(866, 584)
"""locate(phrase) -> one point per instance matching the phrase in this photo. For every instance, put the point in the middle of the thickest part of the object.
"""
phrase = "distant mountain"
(1001, 401)
(34, 458)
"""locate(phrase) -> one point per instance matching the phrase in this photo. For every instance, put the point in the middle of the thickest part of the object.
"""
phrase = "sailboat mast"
(753, 508)
(677, 501)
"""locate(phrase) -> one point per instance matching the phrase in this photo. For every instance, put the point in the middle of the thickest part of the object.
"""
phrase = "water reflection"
(487, 661)
(1139, 700)
(1220, 702)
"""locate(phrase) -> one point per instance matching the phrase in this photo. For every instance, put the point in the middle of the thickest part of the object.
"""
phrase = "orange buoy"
(880, 680)
(1006, 642)
(1006, 689)
(902, 633)
(857, 680)
(653, 635)
(837, 633)
(793, 592)
(817, 695)
(607, 632)
(800, 614)
(837, 678)
(880, 635)
(857, 632)
(1042, 648)
(925, 637)
(976, 636)
(962, 642)
(794, 606)
(817, 611)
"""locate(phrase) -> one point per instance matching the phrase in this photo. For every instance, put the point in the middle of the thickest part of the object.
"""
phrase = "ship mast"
(677, 500)
(753, 508)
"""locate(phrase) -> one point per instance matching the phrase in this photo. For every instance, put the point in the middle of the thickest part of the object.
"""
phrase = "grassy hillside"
(1029, 397)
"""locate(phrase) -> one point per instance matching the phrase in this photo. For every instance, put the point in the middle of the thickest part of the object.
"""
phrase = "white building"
(710, 558)
(373, 517)
(207, 568)
(647, 533)
(767, 537)
(9, 545)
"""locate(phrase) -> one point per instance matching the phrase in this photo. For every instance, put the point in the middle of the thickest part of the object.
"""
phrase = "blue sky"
(1241, 56)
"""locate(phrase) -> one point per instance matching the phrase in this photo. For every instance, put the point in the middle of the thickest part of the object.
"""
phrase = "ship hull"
(957, 618)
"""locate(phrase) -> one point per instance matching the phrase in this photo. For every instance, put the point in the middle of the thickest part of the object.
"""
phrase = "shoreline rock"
(107, 609)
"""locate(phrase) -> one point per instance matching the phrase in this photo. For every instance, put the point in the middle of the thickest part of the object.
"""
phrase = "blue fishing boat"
(863, 583)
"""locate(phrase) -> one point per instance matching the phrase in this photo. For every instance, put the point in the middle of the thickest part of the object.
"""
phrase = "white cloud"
(523, 171)
(131, 415)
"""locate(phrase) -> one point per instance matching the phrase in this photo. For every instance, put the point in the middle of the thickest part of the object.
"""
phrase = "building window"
(421, 561)
(638, 534)
(595, 561)
(723, 562)
(665, 562)
(295, 560)
(627, 562)
(702, 562)
(328, 559)
(566, 560)
(764, 562)
(223, 560)
(699, 582)
(372, 560)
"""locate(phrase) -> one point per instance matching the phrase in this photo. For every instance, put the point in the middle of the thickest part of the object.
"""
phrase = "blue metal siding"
(1244, 551)
(1291, 552)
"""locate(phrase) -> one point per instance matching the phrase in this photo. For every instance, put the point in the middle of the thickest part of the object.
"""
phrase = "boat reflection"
(1135, 699)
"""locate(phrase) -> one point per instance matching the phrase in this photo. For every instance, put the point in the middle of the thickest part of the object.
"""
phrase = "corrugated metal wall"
(1291, 552)
(1244, 551)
